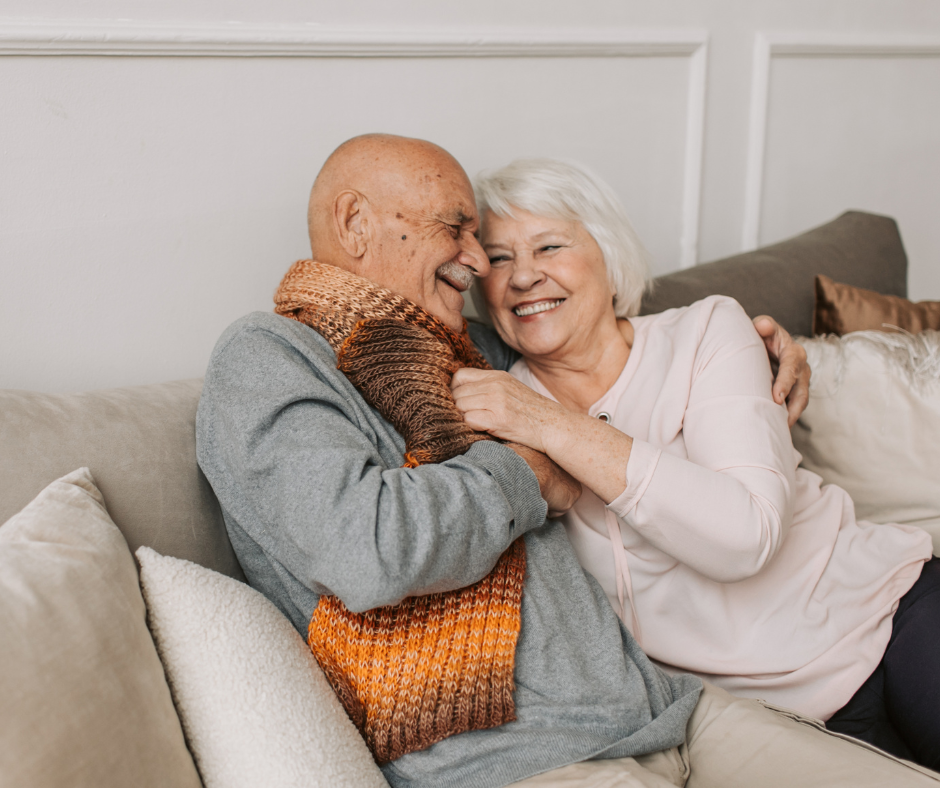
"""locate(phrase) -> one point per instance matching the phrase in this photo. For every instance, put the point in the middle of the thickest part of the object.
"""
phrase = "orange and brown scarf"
(432, 666)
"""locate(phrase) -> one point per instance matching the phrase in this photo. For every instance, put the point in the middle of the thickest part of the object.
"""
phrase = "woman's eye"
(549, 248)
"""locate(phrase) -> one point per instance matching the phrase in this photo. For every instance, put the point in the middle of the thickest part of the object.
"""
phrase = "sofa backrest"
(857, 248)
(140, 442)
(140, 445)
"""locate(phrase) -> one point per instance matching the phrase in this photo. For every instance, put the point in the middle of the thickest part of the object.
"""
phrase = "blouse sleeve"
(726, 509)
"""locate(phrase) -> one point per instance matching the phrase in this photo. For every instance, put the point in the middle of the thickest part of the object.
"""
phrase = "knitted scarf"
(433, 666)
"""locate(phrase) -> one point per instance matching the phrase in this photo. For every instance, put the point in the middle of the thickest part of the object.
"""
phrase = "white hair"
(565, 190)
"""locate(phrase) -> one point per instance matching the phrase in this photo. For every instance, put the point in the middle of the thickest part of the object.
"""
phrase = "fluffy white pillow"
(872, 425)
(256, 708)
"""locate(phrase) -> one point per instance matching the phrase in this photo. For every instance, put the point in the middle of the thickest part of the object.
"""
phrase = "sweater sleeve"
(313, 476)
(725, 509)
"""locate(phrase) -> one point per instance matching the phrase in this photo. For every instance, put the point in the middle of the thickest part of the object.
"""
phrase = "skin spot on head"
(398, 216)
(404, 237)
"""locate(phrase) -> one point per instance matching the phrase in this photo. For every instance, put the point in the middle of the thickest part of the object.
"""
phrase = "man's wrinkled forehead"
(443, 192)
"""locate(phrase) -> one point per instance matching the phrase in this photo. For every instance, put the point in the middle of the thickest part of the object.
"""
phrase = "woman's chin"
(533, 340)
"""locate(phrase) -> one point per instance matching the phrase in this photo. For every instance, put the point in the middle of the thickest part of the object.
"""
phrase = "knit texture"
(434, 666)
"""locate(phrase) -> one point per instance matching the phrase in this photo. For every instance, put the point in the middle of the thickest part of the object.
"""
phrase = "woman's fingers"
(467, 375)
(497, 403)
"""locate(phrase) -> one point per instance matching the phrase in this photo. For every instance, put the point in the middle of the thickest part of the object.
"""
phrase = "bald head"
(400, 212)
(383, 168)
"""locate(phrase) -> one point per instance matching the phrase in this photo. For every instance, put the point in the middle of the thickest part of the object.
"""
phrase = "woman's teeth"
(534, 309)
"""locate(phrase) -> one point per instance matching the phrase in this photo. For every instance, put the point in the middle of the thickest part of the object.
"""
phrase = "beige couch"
(140, 446)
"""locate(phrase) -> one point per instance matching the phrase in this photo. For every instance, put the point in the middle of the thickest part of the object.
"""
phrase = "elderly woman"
(721, 556)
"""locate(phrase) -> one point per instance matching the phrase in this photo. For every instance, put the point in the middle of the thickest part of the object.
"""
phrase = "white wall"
(155, 158)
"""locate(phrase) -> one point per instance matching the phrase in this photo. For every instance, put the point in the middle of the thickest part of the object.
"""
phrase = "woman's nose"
(526, 272)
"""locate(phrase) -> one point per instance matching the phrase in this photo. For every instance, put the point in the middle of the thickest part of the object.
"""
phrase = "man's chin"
(454, 321)
(449, 309)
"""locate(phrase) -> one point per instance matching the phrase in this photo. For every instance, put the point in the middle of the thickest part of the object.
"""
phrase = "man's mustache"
(456, 273)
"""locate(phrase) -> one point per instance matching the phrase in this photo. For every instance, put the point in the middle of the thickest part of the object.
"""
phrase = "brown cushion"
(140, 444)
(862, 249)
(83, 697)
(841, 309)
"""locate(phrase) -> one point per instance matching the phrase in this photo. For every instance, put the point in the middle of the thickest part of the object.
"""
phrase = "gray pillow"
(859, 249)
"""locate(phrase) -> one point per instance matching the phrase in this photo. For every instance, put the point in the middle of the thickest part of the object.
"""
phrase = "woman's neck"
(579, 377)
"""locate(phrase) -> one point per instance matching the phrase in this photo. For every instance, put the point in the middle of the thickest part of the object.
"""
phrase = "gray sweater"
(316, 502)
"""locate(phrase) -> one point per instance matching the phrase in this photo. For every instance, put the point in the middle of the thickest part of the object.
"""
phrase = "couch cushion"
(140, 444)
(860, 249)
(872, 425)
(255, 705)
(83, 698)
(842, 309)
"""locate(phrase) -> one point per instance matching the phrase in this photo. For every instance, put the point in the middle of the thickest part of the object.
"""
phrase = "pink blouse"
(721, 556)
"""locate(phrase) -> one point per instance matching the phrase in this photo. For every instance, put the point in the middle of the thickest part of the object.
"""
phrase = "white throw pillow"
(872, 425)
(83, 698)
(256, 708)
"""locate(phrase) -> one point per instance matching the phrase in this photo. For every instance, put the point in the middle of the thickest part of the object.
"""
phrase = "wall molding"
(694, 157)
(129, 39)
(134, 39)
(768, 46)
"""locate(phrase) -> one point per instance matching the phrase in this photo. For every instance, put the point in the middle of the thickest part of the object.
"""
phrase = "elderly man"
(450, 615)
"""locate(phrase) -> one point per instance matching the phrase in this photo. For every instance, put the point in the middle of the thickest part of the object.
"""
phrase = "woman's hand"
(497, 403)
(791, 384)
(593, 452)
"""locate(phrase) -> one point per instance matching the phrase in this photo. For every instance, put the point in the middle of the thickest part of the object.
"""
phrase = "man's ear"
(350, 223)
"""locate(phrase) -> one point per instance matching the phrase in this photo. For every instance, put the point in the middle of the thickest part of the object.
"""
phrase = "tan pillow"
(872, 425)
(83, 698)
(841, 309)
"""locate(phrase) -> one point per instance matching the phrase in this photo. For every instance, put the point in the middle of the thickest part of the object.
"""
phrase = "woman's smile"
(547, 292)
(532, 308)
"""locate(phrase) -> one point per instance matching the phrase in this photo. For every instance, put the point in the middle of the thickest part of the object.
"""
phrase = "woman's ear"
(350, 223)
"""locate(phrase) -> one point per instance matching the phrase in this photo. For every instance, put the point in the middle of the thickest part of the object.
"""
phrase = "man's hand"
(559, 489)
(792, 382)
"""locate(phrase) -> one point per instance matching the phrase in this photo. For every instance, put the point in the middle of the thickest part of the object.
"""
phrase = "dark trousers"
(898, 707)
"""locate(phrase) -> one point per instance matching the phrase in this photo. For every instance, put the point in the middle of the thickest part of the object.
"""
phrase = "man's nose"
(473, 256)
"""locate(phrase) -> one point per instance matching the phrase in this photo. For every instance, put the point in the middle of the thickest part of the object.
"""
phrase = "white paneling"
(154, 171)
(150, 200)
(843, 122)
